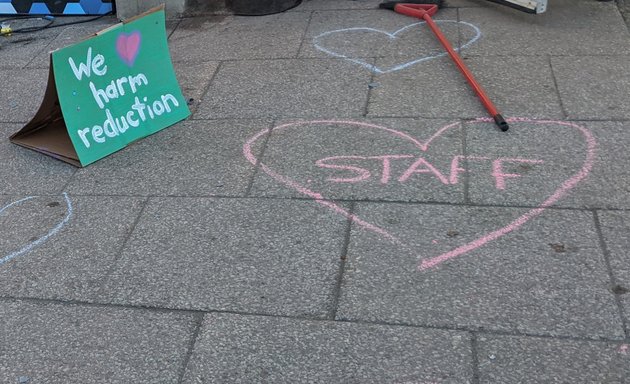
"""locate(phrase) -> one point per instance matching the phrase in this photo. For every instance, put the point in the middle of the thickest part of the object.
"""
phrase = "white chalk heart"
(39, 241)
(320, 45)
(428, 262)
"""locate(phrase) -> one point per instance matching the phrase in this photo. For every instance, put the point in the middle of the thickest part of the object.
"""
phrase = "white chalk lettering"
(151, 114)
(97, 134)
(111, 91)
(99, 94)
(96, 65)
(139, 107)
(137, 80)
(116, 89)
(158, 107)
(132, 121)
(168, 97)
(82, 133)
(119, 83)
(139, 112)
(110, 125)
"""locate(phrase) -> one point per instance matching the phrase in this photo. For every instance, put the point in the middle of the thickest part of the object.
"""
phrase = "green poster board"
(107, 92)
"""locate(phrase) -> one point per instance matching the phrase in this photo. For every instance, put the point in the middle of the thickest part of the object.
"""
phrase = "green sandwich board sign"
(107, 92)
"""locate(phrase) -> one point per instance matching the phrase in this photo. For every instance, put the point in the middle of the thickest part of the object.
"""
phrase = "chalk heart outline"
(128, 47)
(431, 262)
(391, 36)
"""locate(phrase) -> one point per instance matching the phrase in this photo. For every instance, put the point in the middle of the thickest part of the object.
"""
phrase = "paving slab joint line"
(337, 200)
(623, 6)
(342, 265)
(459, 31)
(206, 89)
(198, 320)
(303, 40)
(373, 116)
(366, 107)
(120, 250)
(250, 184)
(464, 133)
(611, 275)
(557, 89)
(70, 179)
(95, 304)
(474, 350)
(43, 49)
(179, 21)
(476, 330)
(479, 330)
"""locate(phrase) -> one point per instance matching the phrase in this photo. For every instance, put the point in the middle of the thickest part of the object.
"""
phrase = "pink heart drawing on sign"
(320, 42)
(128, 47)
(429, 261)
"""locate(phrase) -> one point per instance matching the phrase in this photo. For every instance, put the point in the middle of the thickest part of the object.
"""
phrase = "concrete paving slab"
(22, 97)
(281, 350)
(594, 87)
(58, 247)
(53, 343)
(563, 151)
(189, 32)
(464, 3)
(18, 50)
(615, 229)
(194, 79)
(260, 256)
(200, 158)
(240, 37)
(318, 5)
(28, 172)
(436, 89)
(68, 36)
(381, 159)
(560, 31)
(360, 34)
(546, 277)
(286, 88)
(505, 359)
(608, 185)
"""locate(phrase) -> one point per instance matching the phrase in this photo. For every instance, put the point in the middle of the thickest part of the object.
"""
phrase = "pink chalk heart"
(378, 37)
(429, 261)
(128, 46)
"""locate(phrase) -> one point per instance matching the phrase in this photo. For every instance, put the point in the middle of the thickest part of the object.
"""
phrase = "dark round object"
(260, 7)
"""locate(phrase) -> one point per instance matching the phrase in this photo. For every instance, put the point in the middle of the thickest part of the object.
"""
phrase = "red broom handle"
(492, 110)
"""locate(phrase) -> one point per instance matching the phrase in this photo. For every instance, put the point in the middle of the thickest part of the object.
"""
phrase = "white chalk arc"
(34, 244)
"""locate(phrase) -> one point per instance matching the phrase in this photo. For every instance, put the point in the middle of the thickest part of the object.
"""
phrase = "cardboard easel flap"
(46, 132)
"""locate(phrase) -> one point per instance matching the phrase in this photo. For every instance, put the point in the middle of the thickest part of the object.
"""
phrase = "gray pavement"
(334, 211)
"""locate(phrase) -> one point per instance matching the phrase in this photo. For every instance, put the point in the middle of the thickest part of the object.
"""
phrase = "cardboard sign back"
(46, 132)
(106, 92)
